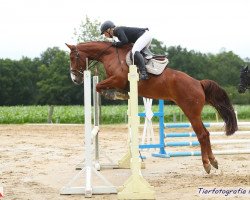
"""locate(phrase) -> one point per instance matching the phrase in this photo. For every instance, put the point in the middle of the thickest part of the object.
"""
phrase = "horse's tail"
(218, 98)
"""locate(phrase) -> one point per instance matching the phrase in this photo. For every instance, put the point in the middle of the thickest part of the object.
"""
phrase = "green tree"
(18, 81)
(158, 47)
(193, 63)
(55, 85)
(88, 31)
(224, 68)
(7, 77)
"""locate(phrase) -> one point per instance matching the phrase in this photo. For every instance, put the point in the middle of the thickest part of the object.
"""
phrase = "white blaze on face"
(73, 77)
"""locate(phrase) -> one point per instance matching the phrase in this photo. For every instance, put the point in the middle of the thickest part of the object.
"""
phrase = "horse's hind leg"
(203, 138)
(211, 157)
(192, 107)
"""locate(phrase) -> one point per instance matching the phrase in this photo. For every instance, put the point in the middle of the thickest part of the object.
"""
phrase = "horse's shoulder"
(171, 70)
(127, 47)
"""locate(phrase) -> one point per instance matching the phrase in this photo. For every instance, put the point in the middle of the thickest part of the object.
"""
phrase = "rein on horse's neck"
(101, 49)
(95, 59)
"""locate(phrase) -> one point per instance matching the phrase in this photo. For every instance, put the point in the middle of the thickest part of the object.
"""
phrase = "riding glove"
(114, 44)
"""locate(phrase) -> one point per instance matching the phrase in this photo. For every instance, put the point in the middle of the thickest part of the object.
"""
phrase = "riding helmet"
(106, 25)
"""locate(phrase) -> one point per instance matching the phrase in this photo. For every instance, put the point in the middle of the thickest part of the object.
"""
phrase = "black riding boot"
(139, 61)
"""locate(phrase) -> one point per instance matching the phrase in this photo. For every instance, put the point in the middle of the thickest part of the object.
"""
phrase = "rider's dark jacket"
(127, 34)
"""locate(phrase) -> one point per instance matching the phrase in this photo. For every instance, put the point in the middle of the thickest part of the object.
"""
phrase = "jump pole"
(160, 145)
(215, 152)
(95, 133)
(136, 187)
(192, 134)
(89, 169)
(166, 154)
(212, 124)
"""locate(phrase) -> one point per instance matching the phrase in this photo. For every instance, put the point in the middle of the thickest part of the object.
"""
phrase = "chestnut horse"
(188, 93)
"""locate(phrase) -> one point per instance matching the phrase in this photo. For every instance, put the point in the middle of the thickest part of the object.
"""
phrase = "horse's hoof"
(214, 163)
(115, 95)
(207, 168)
(107, 95)
(121, 96)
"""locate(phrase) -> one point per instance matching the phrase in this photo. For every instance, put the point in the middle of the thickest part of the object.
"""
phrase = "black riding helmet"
(106, 25)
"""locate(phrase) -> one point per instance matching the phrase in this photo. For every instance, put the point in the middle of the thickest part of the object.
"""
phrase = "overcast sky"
(29, 27)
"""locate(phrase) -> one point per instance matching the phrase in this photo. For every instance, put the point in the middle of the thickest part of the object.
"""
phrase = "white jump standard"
(89, 169)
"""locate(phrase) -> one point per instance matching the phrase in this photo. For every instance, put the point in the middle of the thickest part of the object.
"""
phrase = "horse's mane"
(125, 47)
(93, 42)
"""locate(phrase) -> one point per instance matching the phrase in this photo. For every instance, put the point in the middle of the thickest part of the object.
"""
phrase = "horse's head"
(244, 80)
(77, 64)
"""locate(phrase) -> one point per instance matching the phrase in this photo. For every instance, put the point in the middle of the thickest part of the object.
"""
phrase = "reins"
(93, 61)
(118, 54)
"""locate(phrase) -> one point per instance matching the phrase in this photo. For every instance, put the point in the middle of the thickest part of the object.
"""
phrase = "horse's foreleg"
(105, 84)
(107, 88)
(114, 94)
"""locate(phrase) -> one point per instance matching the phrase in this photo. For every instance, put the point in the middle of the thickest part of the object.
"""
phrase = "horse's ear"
(70, 46)
(246, 68)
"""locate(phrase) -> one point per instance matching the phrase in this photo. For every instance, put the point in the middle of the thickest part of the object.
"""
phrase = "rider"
(139, 36)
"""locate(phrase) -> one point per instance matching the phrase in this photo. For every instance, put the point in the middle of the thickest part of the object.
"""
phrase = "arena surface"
(37, 160)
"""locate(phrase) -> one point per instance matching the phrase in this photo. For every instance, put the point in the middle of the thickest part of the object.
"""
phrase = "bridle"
(77, 57)
(91, 64)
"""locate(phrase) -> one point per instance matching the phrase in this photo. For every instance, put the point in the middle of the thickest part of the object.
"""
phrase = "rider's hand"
(114, 44)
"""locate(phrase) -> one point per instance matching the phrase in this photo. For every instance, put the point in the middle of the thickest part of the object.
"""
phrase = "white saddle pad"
(153, 66)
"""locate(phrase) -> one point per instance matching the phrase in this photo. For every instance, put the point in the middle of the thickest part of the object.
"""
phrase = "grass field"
(114, 114)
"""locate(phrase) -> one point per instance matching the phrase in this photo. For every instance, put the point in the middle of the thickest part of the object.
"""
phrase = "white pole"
(96, 120)
(88, 129)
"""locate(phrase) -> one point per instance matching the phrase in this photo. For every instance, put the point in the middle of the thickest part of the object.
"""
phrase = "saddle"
(155, 64)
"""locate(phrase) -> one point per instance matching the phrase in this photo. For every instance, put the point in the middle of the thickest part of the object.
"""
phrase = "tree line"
(46, 79)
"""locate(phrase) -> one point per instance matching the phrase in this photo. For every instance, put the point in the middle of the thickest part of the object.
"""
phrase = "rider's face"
(108, 33)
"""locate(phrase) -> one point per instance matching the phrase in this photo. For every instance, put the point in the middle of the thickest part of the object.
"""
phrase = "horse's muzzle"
(76, 78)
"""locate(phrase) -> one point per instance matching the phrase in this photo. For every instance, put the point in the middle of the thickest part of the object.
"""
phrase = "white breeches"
(142, 42)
